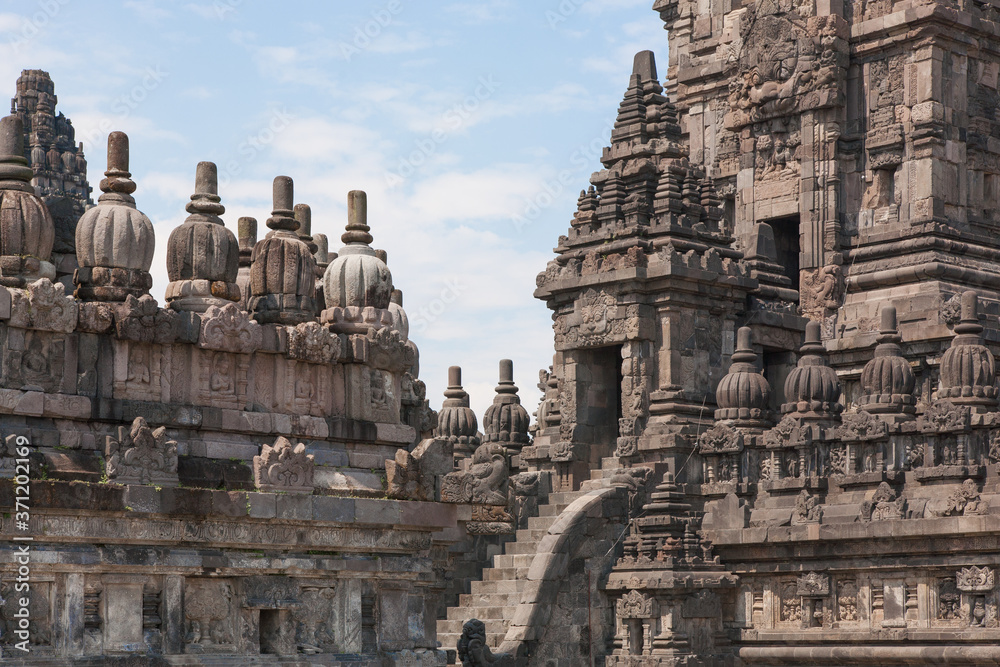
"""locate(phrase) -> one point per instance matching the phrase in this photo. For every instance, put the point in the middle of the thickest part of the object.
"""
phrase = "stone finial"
(282, 213)
(887, 381)
(506, 421)
(357, 219)
(743, 393)
(303, 215)
(967, 367)
(27, 230)
(644, 66)
(357, 278)
(284, 468)
(248, 235)
(282, 270)
(117, 184)
(456, 420)
(812, 389)
(400, 321)
(322, 250)
(114, 240)
(13, 164)
(202, 254)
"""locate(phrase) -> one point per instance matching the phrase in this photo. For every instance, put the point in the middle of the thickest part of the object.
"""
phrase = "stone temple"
(770, 433)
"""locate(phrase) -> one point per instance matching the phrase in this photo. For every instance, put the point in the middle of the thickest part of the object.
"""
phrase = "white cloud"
(147, 10)
(484, 11)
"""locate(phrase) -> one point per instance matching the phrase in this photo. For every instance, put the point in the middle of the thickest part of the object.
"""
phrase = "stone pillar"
(73, 614)
(173, 614)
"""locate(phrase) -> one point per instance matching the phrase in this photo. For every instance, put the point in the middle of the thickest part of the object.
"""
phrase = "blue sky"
(471, 125)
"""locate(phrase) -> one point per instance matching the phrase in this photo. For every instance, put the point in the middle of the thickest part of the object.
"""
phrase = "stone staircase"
(495, 598)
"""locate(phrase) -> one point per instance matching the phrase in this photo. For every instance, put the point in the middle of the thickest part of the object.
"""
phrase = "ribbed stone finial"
(202, 255)
(117, 183)
(887, 381)
(357, 219)
(968, 375)
(743, 393)
(457, 422)
(205, 202)
(282, 215)
(812, 389)
(506, 420)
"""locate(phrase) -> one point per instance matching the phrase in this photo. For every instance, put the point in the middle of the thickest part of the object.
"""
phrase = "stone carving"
(633, 479)
(388, 350)
(229, 329)
(284, 467)
(949, 600)
(821, 292)
(405, 479)
(963, 501)
(974, 579)
(847, 601)
(636, 605)
(862, 426)
(807, 509)
(594, 309)
(787, 433)
(813, 584)
(43, 305)
(207, 614)
(472, 648)
(967, 367)
(313, 620)
(485, 483)
(141, 320)
(141, 455)
(720, 439)
(314, 343)
(884, 505)
(943, 417)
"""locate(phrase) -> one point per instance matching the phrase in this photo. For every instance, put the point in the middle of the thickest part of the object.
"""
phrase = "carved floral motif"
(229, 329)
(43, 305)
(284, 467)
(636, 605)
(140, 455)
(974, 579)
(312, 342)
